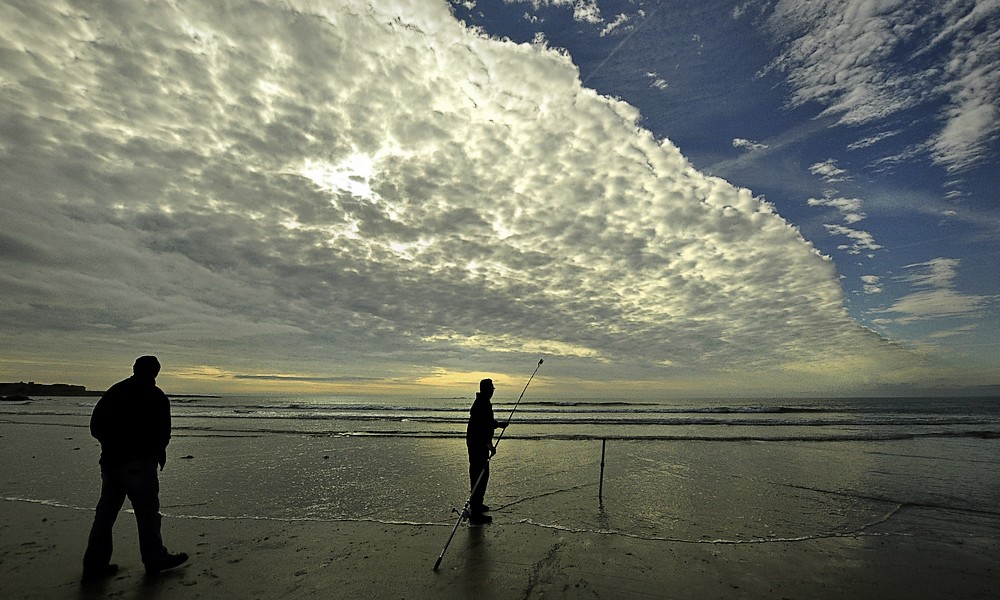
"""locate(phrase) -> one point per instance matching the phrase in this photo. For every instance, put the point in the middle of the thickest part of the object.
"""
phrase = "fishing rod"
(511, 415)
(464, 514)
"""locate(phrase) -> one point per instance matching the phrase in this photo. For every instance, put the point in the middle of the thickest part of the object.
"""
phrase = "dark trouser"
(478, 464)
(136, 480)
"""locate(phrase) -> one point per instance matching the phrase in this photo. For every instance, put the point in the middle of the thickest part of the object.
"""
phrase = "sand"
(42, 545)
(914, 552)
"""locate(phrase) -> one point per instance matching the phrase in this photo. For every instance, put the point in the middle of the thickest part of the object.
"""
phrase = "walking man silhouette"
(132, 422)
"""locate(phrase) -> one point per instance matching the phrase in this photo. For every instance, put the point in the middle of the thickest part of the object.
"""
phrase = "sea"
(692, 471)
(836, 419)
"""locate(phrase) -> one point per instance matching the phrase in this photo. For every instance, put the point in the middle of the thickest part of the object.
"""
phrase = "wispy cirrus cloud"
(936, 296)
(866, 61)
(874, 139)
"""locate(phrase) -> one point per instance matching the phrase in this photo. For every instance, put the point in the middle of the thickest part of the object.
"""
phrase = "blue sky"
(660, 199)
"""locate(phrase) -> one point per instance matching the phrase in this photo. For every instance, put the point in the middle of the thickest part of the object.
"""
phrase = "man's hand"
(493, 450)
(162, 459)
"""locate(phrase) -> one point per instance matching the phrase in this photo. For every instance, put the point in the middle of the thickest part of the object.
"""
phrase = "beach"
(275, 509)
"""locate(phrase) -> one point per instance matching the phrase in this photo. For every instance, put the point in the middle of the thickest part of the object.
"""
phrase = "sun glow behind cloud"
(351, 176)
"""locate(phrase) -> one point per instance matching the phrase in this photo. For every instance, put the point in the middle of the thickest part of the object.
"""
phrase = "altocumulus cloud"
(340, 188)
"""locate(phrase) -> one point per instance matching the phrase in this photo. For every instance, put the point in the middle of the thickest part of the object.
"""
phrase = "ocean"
(861, 419)
(696, 471)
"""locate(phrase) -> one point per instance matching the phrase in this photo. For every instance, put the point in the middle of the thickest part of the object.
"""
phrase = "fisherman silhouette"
(132, 422)
(479, 441)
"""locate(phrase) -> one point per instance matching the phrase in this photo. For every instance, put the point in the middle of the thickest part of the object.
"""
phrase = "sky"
(660, 199)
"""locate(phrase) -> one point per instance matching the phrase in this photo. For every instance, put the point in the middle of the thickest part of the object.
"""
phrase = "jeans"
(478, 464)
(138, 481)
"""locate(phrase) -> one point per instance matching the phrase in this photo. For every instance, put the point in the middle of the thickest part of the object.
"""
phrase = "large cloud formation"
(373, 190)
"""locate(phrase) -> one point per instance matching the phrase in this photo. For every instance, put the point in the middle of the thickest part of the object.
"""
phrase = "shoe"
(484, 508)
(93, 574)
(167, 562)
(480, 519)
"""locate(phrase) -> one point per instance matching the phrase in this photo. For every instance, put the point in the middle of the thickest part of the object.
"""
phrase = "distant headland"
(24, 391)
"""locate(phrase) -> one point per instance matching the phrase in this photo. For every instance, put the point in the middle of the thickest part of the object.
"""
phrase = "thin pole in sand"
(600, 487)
(465, 510)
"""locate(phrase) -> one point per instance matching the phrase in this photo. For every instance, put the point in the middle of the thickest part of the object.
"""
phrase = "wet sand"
(42, 545)
(913, 551)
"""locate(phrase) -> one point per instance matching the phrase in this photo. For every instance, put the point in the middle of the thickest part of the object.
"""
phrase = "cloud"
(849, 208)
(658, 82)
(620, 21)
(967, 135)
(936, 304)
(746, 144)
(936, 273)
(872, 140)
(306, 379)
(829, 171)
(936, 296)
(866, 61)
(366, 191)
(861, 241)
(957, 331)
(872, 284)
(584, 11)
